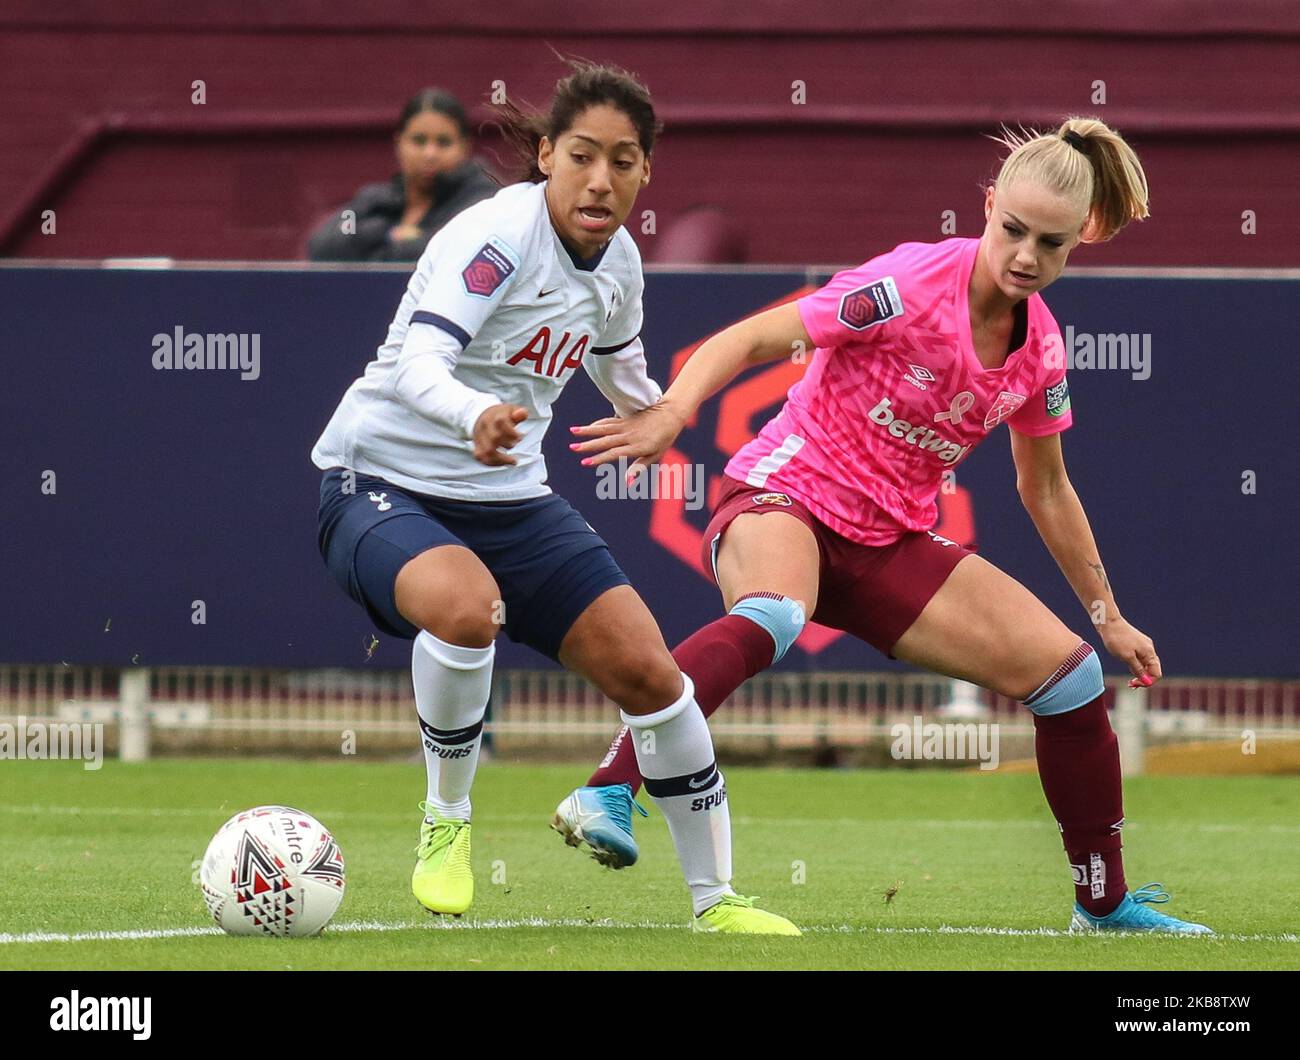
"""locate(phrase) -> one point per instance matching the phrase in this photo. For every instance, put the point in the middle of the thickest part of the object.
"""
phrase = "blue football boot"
(601, 818)
(1134, 913)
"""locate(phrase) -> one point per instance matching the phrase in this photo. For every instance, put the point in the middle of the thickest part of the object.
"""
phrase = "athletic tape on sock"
(781, 616)
(1076, 683)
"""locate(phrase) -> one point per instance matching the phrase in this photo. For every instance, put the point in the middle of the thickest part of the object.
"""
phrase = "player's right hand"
(495, 430)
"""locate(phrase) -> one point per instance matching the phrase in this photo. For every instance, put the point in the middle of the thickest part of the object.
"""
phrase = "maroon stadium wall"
(99, 124)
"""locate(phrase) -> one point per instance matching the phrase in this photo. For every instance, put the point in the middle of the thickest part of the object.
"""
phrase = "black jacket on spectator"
(379, 207)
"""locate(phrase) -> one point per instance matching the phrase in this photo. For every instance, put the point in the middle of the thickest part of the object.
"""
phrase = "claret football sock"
(452, 685)
(1078, 765)
(720, 657)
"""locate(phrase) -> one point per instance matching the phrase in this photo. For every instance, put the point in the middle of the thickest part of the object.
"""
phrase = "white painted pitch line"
(790, 822)
(10, 939)
(1053, 933)
(349, 927)
(375, 926)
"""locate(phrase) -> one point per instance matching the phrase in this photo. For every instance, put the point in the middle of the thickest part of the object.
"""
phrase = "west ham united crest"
(1006, 404)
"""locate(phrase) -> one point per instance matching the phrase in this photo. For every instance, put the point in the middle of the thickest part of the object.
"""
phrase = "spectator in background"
(436, 179)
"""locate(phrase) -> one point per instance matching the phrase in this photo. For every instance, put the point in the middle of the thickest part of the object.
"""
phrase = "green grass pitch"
(974, 860)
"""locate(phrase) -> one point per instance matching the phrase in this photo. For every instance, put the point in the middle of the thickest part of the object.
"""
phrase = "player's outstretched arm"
(1058, 514)
(643, 438)
(623, 379)
(766, 336)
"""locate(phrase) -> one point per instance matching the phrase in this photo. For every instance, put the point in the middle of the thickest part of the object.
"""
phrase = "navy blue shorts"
(548, 563)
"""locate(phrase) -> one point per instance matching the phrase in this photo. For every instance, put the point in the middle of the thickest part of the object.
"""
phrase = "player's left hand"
(1135, 649)
(641, 438)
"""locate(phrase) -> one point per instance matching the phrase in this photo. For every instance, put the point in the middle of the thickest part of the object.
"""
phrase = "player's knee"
(781, 616)
(641, 685)
(471, 620)
(449, 593)
(468, 628)
(1075, 683)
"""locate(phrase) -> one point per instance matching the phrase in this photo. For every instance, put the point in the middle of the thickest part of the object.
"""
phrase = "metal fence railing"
(214, 710)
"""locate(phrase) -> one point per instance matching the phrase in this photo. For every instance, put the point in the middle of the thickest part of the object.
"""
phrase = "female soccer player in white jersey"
(920, 353)
(435, 515)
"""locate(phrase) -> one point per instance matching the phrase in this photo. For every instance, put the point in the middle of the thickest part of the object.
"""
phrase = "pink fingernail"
(573, 430)
(575, 445)
(586, 462)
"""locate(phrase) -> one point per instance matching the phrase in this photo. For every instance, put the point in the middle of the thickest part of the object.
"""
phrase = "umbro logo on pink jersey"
(918, 375)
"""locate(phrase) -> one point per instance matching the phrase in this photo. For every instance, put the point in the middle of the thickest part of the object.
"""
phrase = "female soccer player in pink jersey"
(920, 353)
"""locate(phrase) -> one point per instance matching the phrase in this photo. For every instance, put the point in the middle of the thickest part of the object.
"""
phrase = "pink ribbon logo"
(961, 404)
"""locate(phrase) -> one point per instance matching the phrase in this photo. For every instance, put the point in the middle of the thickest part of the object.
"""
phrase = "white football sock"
(452, 685)
(675, 754)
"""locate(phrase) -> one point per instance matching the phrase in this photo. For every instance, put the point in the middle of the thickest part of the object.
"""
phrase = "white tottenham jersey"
(497, 311)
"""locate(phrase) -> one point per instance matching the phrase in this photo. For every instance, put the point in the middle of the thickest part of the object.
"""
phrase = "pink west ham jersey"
(896, 395)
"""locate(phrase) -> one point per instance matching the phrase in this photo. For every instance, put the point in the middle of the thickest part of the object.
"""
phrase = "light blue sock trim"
(1079, 687)
(783, 618)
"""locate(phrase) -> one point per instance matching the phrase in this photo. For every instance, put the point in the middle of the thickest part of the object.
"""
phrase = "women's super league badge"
(873, 304)
(772, 498)
(487, 271)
